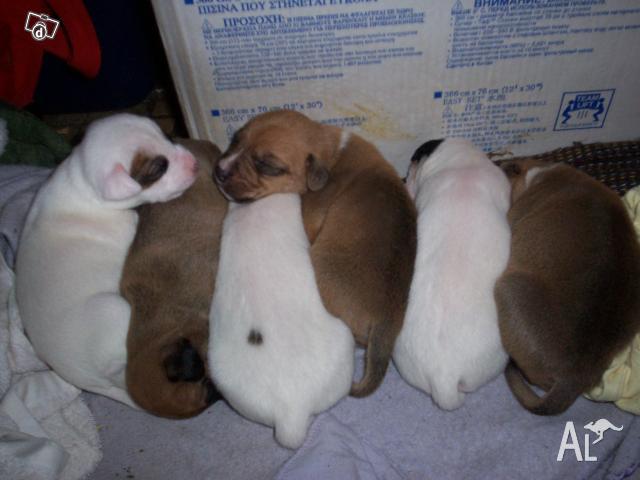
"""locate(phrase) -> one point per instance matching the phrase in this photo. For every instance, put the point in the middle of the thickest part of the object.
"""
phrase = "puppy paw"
(184, 364)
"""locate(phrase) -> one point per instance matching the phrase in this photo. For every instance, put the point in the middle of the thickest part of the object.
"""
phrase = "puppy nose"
(221, 175)
(190, 164)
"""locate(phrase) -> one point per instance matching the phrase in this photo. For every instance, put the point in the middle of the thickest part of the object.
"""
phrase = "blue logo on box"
(580, 110)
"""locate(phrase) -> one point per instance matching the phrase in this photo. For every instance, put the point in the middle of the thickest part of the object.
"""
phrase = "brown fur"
(168, 280)
(357, 214)
(569, 299)
(147, 170)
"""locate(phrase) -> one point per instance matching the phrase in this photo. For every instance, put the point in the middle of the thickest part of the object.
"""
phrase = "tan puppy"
(357, 214)
(168, 280)
(569, 299)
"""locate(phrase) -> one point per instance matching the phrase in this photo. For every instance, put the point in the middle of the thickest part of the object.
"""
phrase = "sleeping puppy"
(74, 245)
(168, 280)
(357, 215)
(275, 353)
(569, 300)
(450, 343)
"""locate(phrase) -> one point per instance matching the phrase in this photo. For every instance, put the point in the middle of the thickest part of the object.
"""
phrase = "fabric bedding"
(397, 433)
(46, 428)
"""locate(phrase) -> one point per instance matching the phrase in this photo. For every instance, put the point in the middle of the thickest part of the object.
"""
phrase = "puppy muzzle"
(221, 175)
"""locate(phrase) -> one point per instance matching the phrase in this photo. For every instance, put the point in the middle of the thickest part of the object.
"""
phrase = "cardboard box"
(520, 76)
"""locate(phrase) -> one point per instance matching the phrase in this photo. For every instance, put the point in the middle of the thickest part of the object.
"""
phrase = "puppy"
(450, 343)
(74, 245)
(168, 280)
(569, 299)
(357, 215)
(275, 353)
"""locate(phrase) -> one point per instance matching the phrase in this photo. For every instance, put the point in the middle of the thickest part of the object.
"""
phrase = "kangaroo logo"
(601, 426)
(570, 439)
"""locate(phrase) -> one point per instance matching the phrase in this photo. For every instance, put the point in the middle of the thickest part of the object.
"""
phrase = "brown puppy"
(168, 280)
(357, 214)
(569, 299)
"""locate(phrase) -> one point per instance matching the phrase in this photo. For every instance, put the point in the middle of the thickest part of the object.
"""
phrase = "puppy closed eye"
(265, 166)
(147, 171)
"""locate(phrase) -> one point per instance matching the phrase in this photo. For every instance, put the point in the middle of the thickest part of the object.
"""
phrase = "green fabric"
(31, 141)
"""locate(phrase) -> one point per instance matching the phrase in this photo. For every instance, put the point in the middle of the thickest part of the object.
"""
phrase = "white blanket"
(46, 429)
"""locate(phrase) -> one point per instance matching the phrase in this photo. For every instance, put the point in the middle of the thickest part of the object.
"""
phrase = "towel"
(46, 428)
(621, 381)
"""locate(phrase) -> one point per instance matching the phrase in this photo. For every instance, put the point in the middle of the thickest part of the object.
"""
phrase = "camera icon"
(41, 26)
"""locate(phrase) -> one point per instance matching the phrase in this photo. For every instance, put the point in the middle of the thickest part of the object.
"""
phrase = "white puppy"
(275, 353)
(75, 241)
(450, 342)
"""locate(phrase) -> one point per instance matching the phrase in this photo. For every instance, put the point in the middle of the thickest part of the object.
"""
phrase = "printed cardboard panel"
(519, 76)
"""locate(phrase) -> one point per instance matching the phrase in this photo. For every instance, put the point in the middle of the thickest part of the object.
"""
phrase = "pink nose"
(189, 162)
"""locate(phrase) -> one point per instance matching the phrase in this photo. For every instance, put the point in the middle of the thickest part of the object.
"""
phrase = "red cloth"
(75, 42)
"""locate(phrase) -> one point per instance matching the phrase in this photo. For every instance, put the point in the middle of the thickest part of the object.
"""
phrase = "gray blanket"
(397, 433)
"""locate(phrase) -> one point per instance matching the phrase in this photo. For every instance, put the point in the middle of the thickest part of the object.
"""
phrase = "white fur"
(345, 136)
(73, 248)
(226, 162)
(266, 282)
(450, 343)
(534, 172)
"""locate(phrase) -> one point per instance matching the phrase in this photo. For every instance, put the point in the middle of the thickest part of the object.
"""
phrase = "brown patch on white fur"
(569, 299)
(146, 170)
(168, 280)
(357, 214)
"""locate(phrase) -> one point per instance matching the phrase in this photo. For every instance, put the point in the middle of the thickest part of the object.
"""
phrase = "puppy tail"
(560, 397)
(379, 351)
(291, 430)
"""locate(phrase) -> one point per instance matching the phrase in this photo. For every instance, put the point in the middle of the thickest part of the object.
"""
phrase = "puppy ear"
(118, 185)
(426, 149)
(317, 175)
(511, 169)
